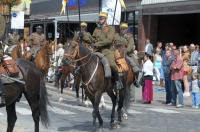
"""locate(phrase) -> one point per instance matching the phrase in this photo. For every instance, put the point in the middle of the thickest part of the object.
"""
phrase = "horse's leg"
(120, 105)
(11, 116)
(62, 83)
(76, 86)
(34, 104)
(114, 101)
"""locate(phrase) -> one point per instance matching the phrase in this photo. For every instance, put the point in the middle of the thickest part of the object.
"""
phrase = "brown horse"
(42, 59)
(96, 84)
(18, 50)
(34, 91)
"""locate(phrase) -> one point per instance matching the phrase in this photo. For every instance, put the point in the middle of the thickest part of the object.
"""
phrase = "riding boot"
(118, 82)
(136, 83)
(2, 93)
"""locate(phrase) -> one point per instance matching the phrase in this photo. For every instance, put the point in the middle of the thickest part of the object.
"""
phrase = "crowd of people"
(176, 69)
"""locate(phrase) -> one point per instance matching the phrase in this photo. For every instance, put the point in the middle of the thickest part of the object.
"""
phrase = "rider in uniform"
(104, 35)
(2, 29)
(35, 41)
(126, 40)
(83, 36)
(12, 40)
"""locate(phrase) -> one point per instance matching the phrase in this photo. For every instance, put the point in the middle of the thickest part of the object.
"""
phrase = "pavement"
(159, 96)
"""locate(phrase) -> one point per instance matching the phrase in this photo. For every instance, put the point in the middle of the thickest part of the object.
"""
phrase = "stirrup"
(136, 84)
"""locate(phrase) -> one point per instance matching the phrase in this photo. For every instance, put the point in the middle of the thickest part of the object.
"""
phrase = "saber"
(13, 79)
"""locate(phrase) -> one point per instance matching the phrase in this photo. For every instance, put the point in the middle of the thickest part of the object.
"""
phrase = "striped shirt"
(193, 59)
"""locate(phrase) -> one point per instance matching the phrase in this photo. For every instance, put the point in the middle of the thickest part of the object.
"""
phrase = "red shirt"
(177, 74)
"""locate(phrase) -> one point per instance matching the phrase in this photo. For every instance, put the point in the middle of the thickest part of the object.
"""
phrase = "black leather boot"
(136, 83)
(2, 93)
(118, 81)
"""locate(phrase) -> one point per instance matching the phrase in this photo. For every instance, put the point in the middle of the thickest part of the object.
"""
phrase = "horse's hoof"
(118, 126)
(61, 100)
(101, 130)
(79, 102)
(86, 103)
(113, 125)
(125, 116)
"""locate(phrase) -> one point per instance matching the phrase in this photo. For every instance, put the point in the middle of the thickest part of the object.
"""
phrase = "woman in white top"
(147, 89)
(157, 61)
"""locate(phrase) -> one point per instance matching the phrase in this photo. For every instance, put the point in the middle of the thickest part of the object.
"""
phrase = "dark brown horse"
(96, 84)
(34, 91)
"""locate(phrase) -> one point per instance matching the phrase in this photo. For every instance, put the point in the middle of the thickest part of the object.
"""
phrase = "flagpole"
(100, 5)
(114, 12)
(79, 14)
(68, 21)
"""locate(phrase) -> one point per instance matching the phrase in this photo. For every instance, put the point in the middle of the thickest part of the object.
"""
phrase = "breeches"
(111, 59)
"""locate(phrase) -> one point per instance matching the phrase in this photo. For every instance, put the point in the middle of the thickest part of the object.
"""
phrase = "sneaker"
(196, 107)
(186, 94)
(171, 104)
(179, 105)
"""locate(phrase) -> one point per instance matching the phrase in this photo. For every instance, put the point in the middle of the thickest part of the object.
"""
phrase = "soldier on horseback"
(35, 41)
(12, 41)
(84, 36)
(104, 35)
(125, 40)
(2, 29)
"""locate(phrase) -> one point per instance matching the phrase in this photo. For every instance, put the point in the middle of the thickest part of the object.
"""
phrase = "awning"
(75, 18)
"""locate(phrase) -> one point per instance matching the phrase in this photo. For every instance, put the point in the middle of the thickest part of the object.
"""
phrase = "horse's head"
(72, 49)
(49, 47)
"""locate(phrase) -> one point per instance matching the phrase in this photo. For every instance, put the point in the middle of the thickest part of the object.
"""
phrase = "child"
(195, 91)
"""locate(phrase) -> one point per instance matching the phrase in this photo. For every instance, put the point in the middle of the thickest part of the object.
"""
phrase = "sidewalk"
(159, 96)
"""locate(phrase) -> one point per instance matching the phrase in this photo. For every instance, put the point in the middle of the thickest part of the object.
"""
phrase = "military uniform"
(84, 36)
(35, 40)
(103, 37)
(11, 42)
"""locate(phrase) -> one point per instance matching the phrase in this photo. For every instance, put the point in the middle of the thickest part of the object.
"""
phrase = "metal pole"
(68, 22)
(114, 12)
(79, 14)
(55, 36)
(100, 5)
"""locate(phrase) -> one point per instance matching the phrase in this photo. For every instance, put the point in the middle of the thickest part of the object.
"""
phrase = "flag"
(64, 3)
(109, 7)
(123, 4)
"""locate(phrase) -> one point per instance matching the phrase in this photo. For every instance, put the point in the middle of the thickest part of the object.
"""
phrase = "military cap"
(103, 15)
(38, 27)
(83, 24)
(123, 25)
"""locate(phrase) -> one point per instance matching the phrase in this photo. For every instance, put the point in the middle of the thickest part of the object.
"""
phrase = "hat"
(123, 25)
(83, 24)
(103, 15)
(38, 27)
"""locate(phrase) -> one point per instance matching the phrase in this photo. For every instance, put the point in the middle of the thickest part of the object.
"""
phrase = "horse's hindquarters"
(12, 92)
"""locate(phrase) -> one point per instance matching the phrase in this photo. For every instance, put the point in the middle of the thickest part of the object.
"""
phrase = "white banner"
(17, 21)
(109, 7)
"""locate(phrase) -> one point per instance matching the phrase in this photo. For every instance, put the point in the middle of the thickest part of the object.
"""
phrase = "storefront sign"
(17, 21)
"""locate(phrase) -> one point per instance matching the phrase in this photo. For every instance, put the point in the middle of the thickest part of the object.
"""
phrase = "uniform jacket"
(36, 40)
(12, 39)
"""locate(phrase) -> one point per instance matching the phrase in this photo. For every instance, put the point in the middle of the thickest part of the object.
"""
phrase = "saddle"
(11, 67)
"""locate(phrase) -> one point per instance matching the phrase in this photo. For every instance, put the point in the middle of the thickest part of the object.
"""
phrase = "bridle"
(76, 53)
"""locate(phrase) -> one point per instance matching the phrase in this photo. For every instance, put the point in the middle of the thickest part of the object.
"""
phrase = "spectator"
(157, 61)
(193, 58)
(195, 91)
(59, 56)
(159, 46)
(171, 46)
(148, 48)
(197, 49)
(177, 76)
(186, 57)
(147, 89)
(167, 73)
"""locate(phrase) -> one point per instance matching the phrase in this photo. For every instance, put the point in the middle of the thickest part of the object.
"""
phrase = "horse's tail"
(127, 99)
(44, 101)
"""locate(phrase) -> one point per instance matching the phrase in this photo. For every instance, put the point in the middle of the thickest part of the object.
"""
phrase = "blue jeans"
(195, 98)
(168, 90)
(174, 91)
(179, 90)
